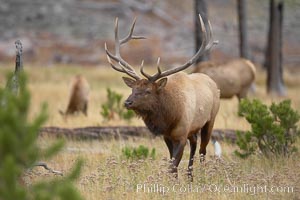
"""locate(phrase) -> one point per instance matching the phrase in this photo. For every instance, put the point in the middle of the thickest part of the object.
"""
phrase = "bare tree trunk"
(242, 20)
(275, 73)
(281, 9)
(243, 33)
(19, 59)
(13, 83)
(267, 50)
(200, 8)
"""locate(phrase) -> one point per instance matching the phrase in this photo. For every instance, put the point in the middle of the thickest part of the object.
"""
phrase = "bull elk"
(233, 78)
(79, 96)
(172, 103)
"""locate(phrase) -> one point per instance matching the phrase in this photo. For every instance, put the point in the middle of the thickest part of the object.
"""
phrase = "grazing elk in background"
(79, 97)
(233, 78)
(177, 107)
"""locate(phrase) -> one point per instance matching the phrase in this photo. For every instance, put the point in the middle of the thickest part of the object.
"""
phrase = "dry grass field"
(108, 175)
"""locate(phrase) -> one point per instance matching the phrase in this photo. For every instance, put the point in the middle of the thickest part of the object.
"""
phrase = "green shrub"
(273, 129)
(19, 151)
(140, 152)
(113, 107)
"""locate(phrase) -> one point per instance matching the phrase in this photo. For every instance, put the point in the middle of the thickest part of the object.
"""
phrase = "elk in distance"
(233, 78)
(79, 97)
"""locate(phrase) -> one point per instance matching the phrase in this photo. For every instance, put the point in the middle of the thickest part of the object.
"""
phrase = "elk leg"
(193, 146)
(85, 107)
(169, 145)
(178, 147)
(205, 137)
(242, 94)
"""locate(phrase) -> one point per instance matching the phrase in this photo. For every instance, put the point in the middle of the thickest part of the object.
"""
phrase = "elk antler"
(124, 67)
(206, 45)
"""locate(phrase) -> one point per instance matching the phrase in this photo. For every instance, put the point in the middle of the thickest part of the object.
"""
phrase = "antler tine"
(122, 69)
(212, 42)
(130, 34)
(153, 77)
(206, 45)
(124, 66)
(142, 64)
(130, 73)
(115, 58)
(117, 42)
(118, 57)
(158, 73)
(158, 67)
(142, 71)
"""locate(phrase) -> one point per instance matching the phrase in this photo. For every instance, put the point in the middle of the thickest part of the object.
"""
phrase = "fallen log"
(45, 166)
(98, 132)
(120, 132)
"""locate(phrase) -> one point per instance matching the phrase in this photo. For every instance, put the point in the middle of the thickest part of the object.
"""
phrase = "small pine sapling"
(273, 129)
(113, 107)
(19, 151)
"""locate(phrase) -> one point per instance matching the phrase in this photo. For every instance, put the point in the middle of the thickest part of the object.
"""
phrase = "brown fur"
(177, 108)
(233, 78)
(79, 96)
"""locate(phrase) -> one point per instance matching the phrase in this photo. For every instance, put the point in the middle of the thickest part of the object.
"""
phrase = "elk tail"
(253, 70)
(252, 67)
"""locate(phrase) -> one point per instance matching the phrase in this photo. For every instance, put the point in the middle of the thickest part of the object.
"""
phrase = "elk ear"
(161, 83)
(128, 81)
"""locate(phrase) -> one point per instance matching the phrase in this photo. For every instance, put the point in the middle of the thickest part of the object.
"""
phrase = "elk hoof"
(202, 158)
(190, 174)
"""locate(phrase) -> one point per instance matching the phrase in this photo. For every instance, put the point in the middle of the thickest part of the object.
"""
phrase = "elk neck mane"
(164, 115)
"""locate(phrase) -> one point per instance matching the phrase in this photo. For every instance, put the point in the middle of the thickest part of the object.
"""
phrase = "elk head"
(146, 91)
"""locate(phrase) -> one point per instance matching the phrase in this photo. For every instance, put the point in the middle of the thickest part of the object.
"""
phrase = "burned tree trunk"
(243, 33)
(13, 83)
(19, 59)
(267, 50)
(275, 83)
(242, 20)
(200, 8)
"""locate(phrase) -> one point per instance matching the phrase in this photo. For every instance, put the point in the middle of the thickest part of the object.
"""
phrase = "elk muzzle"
(128, 103)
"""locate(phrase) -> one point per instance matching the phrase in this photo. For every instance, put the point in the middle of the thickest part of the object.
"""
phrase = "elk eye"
(148, 91)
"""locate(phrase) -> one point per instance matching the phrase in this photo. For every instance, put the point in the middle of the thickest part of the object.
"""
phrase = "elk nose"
(128, 103)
